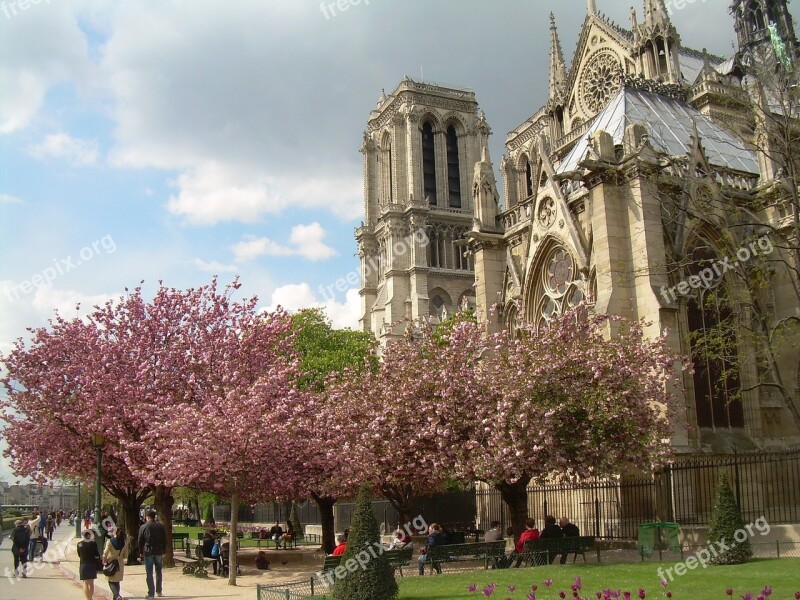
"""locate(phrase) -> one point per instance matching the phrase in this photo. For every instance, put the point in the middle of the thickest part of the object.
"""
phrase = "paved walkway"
(59, 579)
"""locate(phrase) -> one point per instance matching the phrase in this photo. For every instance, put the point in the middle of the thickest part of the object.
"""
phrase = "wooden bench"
(447, 553)
(197, 564)
(541, 552)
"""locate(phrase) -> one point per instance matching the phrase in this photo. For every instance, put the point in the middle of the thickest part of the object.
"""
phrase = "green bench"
(541, 552)
(488, 552)
(180, 541)
(397, 559)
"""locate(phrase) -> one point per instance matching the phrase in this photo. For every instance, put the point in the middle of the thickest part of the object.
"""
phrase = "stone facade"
(615, 196)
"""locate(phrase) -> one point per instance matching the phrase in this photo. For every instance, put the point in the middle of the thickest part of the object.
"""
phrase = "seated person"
(551, 531)
(495, 534)
(209, 539)
(289, 535)
(276, 532)
(530, 533)
(341, 542)
(263, 534)
(401, 540)
(262, 562)
(568, 530)
(435, 538)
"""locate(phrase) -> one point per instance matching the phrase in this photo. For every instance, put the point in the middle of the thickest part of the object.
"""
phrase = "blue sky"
(176, 140)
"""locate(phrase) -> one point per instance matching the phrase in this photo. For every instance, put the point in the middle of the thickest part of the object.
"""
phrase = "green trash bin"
(658, 536)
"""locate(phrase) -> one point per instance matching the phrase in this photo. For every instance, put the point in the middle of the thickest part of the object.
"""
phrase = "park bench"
(541, 552)
(397, 559)
(180, 541)
(448, 553)
(195, 565)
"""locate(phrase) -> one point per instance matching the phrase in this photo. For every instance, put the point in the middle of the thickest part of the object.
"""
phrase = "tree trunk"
(232, 565)
(325, 504)
(163, 502)
(402, 498)
(515, 495)
(197, 512)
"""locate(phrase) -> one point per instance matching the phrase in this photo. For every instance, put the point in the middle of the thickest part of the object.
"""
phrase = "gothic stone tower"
(420, 148)
(753, 20)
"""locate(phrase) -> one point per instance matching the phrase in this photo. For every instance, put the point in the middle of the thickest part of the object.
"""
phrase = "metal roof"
(669, 124)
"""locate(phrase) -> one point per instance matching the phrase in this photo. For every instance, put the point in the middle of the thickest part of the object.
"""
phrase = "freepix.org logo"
(712, 274)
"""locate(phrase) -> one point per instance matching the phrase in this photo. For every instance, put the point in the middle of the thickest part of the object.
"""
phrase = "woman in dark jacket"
(435, 538)
(89, 555)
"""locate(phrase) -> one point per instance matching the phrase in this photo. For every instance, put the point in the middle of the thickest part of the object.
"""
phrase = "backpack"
(215, 549)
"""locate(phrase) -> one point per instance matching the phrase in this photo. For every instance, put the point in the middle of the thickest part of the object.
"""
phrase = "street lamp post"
(78, 514)
(98, 440)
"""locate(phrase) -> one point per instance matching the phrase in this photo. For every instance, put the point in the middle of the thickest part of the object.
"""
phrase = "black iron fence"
(766, 485)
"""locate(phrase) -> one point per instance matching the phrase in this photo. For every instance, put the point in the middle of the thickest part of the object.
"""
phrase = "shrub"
(295, 519)
(726, 521)
(375, 581)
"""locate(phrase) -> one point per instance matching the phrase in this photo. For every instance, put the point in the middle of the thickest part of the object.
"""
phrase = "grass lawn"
(783, 575)
(243, 543)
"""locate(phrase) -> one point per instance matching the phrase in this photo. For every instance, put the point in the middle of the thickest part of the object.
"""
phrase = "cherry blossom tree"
(562, 401)
(391, 422)
(231, 438)
(56, 399)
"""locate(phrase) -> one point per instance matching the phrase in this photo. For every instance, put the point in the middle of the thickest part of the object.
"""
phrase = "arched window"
(712, 337)
(558, 289)
(528, 179)
(755, 16)
(453, 169)
(429, 162)
(387, 183)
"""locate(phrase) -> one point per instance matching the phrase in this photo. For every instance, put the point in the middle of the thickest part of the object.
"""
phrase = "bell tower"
(764, 29)
(656, 44)
(420, 148)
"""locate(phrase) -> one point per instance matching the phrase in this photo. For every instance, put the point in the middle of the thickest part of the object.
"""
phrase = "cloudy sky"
(175, 140)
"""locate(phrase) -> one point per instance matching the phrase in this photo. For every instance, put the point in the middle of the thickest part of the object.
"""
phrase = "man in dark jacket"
(20, 540)
(569, 530)
(551, 531)
(152, 542)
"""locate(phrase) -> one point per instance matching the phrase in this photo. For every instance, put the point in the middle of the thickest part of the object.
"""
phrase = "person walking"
(89, 557)
(152, 542)
(116, 550)
(50, 525)
(20, 540)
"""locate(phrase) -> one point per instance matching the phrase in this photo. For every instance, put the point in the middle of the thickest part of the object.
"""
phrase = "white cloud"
(213, 191)
(306, 241)
(214, 266)
(77, 152)
(9, 199)
(42, 46)
(295, 297)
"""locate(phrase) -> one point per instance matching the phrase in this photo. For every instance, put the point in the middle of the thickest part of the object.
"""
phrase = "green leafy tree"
(726, 521)
(375, 580)
(325, 351)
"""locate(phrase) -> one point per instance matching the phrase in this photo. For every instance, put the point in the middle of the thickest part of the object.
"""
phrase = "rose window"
(600, 81)
(559, 272)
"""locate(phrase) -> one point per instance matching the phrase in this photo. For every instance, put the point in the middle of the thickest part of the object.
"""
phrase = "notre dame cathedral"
(625, 192)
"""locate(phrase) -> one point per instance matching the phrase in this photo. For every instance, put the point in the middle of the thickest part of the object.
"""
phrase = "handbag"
(111, 568)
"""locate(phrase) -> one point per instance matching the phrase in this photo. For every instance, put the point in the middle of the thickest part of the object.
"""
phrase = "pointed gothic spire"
(558, 70)
(592, 7)
(655, 15)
